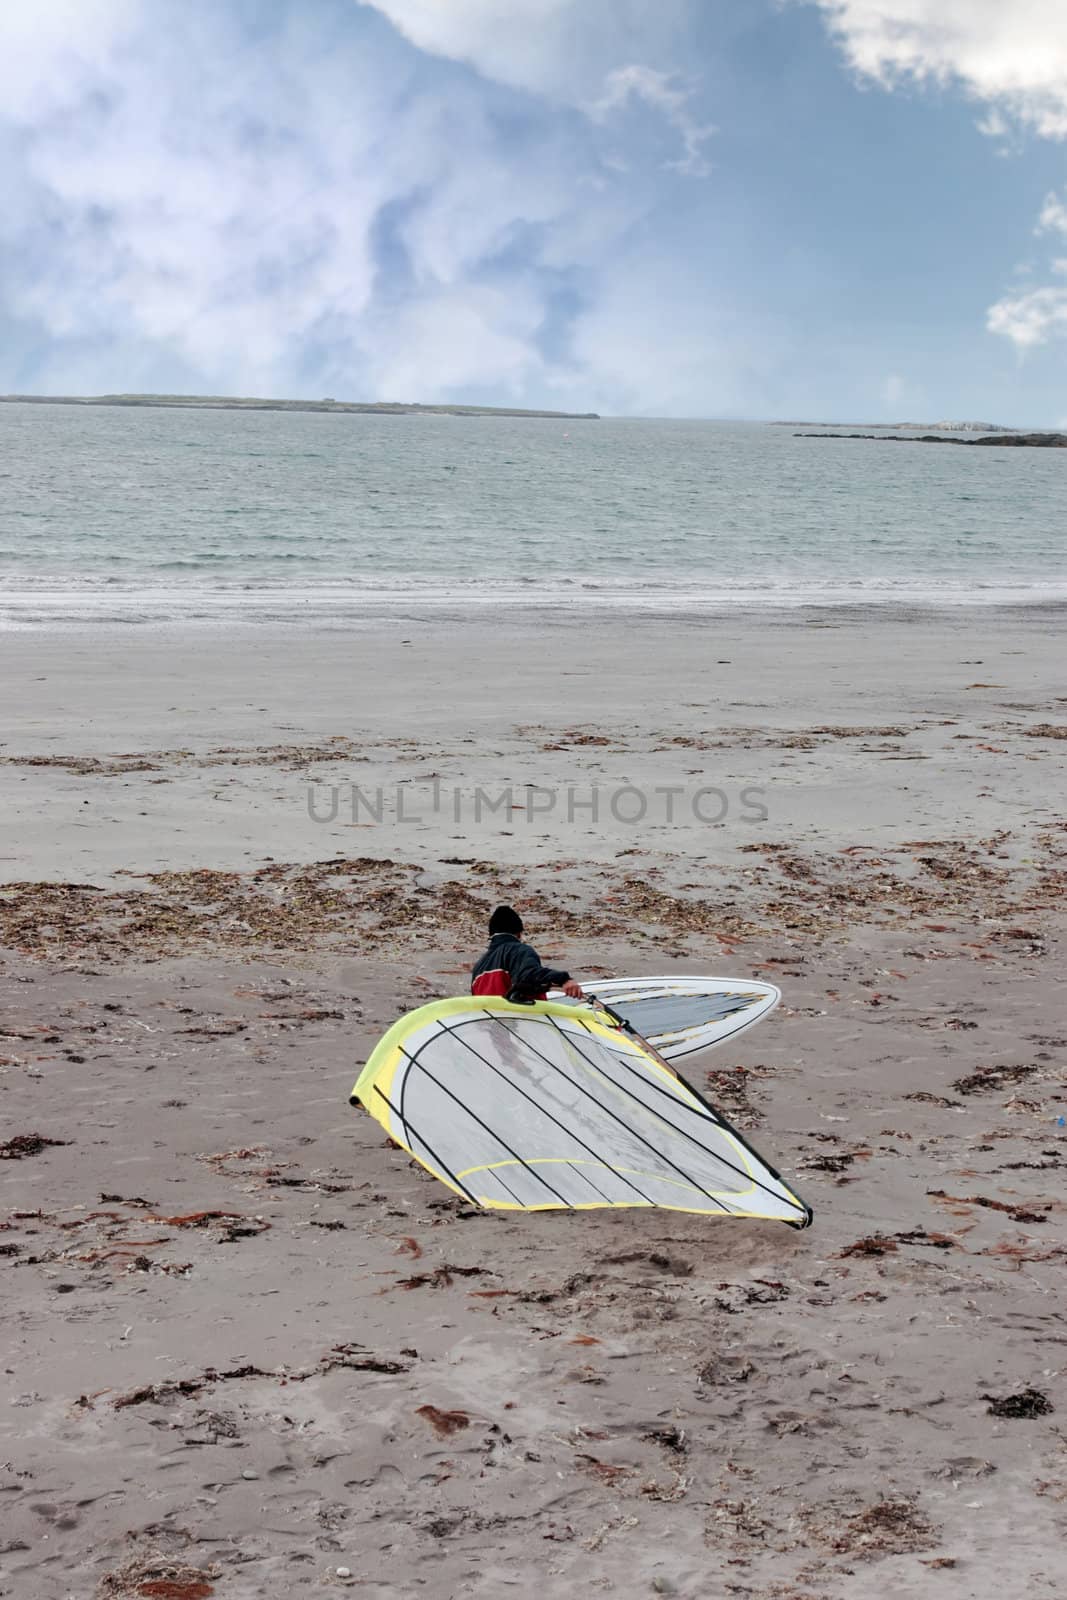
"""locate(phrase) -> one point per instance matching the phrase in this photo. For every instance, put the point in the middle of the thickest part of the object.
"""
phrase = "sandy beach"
(254, 1351)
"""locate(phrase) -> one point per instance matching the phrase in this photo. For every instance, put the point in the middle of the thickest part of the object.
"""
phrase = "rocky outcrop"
(1045, 440)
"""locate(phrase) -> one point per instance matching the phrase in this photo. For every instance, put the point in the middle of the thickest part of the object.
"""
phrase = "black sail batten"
(690, 1180)
(717, 1120)
(685, 1134)
(723, 1122)
(802, 1206)
(583, 1174)
(453, 1032)
(597, 1157)
(426, 1146)
(482, 1124)
(402, 1098)
(504, 1184)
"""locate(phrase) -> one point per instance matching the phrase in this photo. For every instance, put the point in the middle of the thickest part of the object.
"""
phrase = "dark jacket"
(514, 969)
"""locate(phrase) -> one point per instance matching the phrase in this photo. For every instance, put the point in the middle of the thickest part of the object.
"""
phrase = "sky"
(815, 209)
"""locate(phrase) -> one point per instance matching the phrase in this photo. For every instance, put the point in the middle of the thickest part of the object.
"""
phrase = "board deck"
(682, 1016)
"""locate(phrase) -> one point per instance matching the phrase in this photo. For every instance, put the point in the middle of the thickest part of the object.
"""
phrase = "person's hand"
(573, 990)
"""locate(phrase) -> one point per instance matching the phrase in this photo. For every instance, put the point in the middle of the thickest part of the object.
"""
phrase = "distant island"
(209, 402)
(956, 427)
(918, 427)
(1048, 440)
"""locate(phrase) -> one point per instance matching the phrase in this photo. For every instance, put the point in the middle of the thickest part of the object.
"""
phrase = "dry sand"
(253, 1349)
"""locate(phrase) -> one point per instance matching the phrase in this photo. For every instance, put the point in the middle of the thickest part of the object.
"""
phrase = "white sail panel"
(544, 1106)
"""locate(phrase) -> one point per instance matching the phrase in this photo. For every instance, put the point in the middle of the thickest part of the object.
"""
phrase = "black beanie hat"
(505, 920)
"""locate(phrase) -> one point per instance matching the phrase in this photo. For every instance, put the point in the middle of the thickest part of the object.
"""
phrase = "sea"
(137, 515)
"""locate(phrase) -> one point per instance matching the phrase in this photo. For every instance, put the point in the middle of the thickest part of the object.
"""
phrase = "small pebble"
(344, 1572)
(248, 1473)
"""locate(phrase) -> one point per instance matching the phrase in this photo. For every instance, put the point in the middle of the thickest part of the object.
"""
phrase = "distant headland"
(208, 402)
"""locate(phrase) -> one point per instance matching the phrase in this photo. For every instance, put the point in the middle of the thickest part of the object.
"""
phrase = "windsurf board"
(682, 1016)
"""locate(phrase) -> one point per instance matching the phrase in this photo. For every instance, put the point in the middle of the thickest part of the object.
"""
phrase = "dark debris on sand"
(27, 1144)
(1026, 1404)
(359, 903)
(894, 1526)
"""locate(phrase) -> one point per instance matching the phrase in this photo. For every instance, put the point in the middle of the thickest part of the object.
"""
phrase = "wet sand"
(256, 1351)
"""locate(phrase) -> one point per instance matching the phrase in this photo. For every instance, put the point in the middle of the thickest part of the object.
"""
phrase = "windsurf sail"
(682, 1016)
(547, 1106)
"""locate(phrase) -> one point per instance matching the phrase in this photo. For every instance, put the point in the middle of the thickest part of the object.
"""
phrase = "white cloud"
(52, 45)
(661, 92)
(1030, 319)
(222, 234)
(517, 43)
(1053, 218)
(1009, 54)
(1033, 317)
(1011, 57)
(315, 209)
(994, 125)
(578, 52)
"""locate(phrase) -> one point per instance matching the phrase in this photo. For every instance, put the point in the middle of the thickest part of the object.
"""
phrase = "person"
(514, 969)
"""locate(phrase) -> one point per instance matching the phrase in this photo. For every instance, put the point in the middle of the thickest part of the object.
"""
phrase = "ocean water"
(145, 515)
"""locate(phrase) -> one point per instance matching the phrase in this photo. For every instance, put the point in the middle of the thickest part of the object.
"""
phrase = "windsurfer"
(511, 968)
